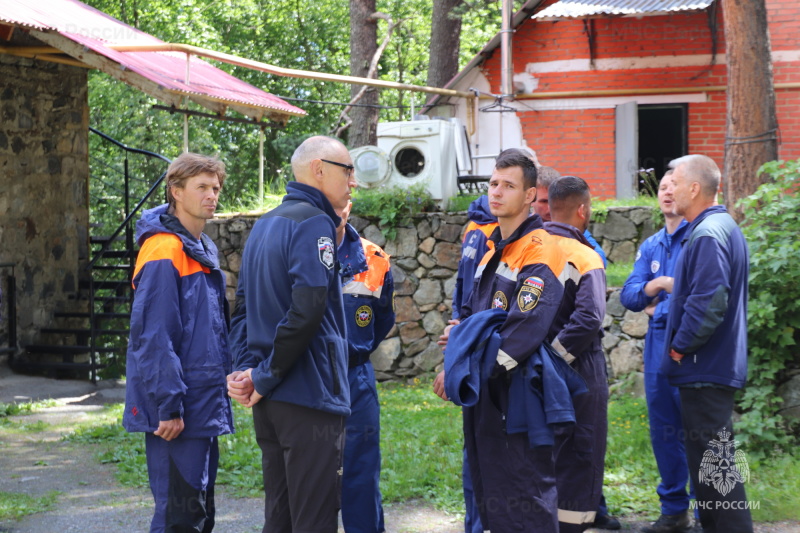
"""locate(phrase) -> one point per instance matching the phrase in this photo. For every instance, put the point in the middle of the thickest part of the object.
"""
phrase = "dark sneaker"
(670, 523)
(606, 522)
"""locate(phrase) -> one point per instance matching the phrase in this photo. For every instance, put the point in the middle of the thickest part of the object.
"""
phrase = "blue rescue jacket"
(541, 388)
(595, 246)
(289, 322)
(178, 355)
(656, 257)
(707, 320)
(475, 245)
(368, 292)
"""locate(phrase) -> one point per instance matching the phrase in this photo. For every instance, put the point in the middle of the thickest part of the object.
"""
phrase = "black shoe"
(606, 522)
(670, 523)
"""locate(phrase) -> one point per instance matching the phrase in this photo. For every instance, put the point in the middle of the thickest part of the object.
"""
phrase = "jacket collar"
(714, 209)
(531, 223)
(306, 193)
(565, 230)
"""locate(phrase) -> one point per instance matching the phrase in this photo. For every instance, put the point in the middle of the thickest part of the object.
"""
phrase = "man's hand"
(656, 285)
(241, 388)
(169, 429)
(446, 334)
(438, 386)
(650, 309)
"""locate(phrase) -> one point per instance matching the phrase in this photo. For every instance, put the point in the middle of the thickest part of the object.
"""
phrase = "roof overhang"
(79, 35)
(583, 9)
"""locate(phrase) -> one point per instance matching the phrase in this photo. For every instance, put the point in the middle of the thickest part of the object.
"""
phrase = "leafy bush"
(393, 207)
(772, 224)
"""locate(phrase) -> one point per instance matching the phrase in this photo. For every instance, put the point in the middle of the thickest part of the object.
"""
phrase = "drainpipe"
(507, 68)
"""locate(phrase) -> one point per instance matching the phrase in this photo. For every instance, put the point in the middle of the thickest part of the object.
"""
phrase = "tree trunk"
(363, 45)
(445, 38)
(751, 136)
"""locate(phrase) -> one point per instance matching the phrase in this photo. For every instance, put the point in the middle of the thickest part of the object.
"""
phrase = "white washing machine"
(420, 151)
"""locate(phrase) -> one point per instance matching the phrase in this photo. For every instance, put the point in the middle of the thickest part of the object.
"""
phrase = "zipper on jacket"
(337, 389)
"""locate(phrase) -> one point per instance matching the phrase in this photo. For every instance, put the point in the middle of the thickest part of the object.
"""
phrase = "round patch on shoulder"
(363, 316)
(654, 266)
(528, 297)
(499, 301)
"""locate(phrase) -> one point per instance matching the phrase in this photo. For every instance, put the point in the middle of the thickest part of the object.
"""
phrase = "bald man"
(290, 345)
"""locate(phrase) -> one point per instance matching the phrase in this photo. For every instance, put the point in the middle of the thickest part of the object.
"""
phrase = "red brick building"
(600, 93)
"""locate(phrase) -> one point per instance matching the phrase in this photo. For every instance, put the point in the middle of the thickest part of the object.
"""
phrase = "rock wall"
(424, 264)
(44, 172)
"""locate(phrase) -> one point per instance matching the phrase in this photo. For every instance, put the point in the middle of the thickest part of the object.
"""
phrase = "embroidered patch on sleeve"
(363, 316)
(325, 245)
(529, 293)
(499, 301)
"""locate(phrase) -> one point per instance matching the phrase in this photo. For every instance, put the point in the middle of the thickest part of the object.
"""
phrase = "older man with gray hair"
(289, 341)
(706, 348)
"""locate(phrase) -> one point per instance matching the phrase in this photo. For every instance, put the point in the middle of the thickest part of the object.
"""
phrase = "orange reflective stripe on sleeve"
(167, 246)
(377, 267)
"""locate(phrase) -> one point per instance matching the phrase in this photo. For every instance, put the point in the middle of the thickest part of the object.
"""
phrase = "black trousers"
(301, 460)
(711, 456)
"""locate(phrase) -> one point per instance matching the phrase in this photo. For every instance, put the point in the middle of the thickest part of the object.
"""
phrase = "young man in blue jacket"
(576, 335)
(648, 289)
(705, 353)
(514, 483)
(368, 292)
(290, 345)
(178, 352)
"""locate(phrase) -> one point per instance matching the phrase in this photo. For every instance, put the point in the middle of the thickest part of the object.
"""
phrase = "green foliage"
(461, 203)
(772, 224)
(15, 505)
(393, 207)
(24, 408)
(421, 446)
(617, 273)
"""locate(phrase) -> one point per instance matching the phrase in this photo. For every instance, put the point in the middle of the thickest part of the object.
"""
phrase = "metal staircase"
(92, 342)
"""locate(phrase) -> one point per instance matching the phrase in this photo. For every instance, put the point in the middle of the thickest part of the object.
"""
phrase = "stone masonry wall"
(424, 264)
(44, 172)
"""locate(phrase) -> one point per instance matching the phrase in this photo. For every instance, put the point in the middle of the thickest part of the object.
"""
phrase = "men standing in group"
(514, 483)
(368, 289)
(289, 341)
(576, 335)
(648, 289)
(706, 342)
(178, 352)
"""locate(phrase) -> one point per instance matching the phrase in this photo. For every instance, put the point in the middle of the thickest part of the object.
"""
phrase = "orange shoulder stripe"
(167, 246)
(537, 246)
(486, 229)
(580, 255)
(377, 266)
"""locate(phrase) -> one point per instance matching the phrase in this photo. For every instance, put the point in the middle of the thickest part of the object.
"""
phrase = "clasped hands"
(241, 388)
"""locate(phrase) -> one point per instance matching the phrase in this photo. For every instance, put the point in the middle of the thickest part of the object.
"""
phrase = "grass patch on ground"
(421, 445)
(14, 505)
(617, 273)
(24, 408)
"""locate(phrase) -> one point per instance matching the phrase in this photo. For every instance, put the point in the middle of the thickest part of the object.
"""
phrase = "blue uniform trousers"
(182, 475)
(472, 518)
(580, 450)
(666, 437)
(361, 496)
(514, 484)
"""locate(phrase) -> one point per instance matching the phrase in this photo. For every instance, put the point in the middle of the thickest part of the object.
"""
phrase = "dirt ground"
(90, 500)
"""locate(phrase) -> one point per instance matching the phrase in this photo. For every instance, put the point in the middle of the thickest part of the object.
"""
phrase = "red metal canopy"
(84, 33)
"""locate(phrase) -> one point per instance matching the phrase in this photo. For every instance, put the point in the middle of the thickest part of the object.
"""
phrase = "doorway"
(663, 136)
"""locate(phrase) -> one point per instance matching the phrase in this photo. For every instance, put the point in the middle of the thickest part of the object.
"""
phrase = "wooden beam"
(6, 31)
(41, 53)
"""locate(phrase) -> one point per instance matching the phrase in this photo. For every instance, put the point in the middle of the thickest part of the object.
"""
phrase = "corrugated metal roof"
(593, 8)
(95, 30)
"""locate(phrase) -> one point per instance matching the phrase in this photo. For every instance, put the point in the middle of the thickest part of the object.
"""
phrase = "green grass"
(14, 505)
(617, 273)
(24, 408)
(421, 445)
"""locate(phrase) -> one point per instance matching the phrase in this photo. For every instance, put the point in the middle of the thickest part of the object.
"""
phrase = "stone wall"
(44, 172)
(424, 264)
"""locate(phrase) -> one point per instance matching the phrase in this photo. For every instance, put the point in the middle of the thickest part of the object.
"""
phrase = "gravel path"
(90, 500)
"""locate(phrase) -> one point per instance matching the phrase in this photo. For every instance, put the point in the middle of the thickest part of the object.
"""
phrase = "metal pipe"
(507, 67)
(287, 72)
